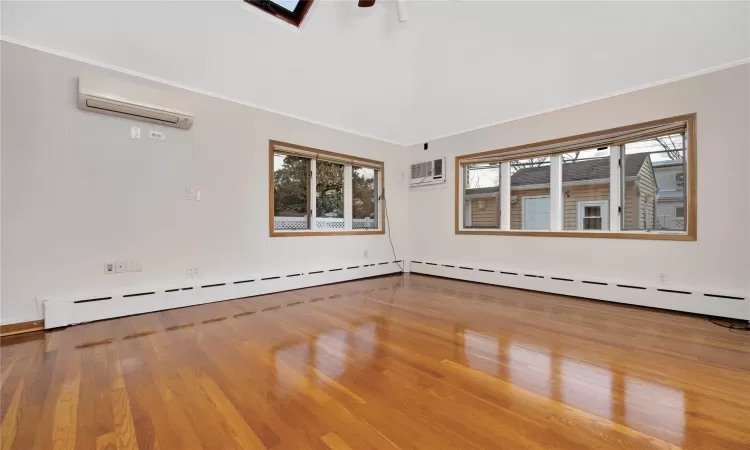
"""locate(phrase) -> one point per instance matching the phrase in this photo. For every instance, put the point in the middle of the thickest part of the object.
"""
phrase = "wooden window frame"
(691, 189)
(294, 18)
(381, 212)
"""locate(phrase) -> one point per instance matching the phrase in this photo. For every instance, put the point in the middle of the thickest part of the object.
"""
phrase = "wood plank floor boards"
(408, 362)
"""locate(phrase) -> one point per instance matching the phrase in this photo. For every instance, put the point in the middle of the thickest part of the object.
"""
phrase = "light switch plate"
(109, 267)
(135, 133)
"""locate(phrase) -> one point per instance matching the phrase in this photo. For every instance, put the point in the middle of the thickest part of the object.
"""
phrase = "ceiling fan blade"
(366, 3)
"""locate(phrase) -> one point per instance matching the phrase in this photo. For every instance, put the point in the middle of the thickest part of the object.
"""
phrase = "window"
(364, 198)
(316, 192)
(329, 196)
(529, 194)
(290, 194)
(482, 196)
(585, 189)
(633, 182)
(650, 188)
(593, 216)
(291, 11)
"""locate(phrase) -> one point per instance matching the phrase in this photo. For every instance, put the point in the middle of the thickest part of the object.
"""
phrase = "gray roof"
(589, 169)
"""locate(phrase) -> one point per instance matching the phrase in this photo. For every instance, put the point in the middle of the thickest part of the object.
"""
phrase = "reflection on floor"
(392, 362)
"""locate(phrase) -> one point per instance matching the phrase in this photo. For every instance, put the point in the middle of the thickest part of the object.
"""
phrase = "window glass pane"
(364, 198)
(290, 192)
(329, 193)
(592, 211)
(592, 223)
(585, 176)
(482, 196)
(289, 5)
(529, 194)
(653, 186)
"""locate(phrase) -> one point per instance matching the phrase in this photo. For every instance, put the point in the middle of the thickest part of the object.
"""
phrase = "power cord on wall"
(388, 223)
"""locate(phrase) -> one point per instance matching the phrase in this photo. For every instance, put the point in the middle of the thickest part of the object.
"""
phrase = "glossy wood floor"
(394, 362)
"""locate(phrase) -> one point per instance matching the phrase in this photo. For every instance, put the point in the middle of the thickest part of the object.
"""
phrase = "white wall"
(717, 262)
(77, 190)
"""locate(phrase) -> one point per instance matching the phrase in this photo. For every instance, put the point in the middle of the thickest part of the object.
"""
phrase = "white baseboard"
(665, 297)
(79, 308)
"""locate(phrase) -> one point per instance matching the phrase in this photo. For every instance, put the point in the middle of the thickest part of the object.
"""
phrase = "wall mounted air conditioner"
(428, 172)
(121, 98)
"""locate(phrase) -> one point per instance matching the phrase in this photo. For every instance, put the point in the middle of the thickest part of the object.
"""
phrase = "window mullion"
(555, 194)
(505, 196)
(348, 197)
(313, 194)
(616, 211)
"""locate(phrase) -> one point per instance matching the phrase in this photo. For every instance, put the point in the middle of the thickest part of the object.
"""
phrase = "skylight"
(292, 11)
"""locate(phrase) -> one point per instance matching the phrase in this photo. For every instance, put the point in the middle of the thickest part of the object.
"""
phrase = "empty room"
(374, 224)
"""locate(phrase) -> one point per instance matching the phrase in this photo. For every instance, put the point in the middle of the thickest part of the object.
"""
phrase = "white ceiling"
(453, 66)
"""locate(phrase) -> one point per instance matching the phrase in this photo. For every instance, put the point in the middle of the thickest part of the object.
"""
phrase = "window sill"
(643, 235)
(300, 233)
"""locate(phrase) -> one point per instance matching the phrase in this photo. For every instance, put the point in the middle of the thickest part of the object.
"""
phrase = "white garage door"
(536, 213)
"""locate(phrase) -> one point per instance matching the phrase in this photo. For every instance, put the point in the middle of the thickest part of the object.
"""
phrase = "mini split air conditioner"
(121, 98)
(428, 172)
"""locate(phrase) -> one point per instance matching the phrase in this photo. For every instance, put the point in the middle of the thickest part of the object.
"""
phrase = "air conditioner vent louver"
(427, 173)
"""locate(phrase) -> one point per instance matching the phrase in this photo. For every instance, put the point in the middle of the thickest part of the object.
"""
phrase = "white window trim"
(604, 208)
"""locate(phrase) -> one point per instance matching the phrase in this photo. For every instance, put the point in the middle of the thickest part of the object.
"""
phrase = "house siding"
(639, 204)
(631, 197)
(640, 200)
(487, 217)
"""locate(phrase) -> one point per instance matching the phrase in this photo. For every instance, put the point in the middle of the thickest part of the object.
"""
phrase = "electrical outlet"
(366, 254)
(196, 272)
(192, 272)
(121, 266)
(663, 278)
(109, 267)
(134, 266)
(135, 133)
(192, 194)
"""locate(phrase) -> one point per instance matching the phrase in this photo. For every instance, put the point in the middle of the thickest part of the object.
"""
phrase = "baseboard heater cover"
(719, 304)
(77, 308)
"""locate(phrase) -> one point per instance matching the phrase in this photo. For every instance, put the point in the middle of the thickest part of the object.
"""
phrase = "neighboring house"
(585, 194)
(670, 200)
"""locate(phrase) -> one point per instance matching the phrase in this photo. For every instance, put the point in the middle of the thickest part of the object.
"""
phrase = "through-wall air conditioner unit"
(121, 98)
(428, 172)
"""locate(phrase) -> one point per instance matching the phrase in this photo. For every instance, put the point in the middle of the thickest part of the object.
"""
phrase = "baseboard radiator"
(665, 297)
(79, 308)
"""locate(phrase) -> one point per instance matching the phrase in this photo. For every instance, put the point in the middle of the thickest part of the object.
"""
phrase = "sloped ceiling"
(453, 66)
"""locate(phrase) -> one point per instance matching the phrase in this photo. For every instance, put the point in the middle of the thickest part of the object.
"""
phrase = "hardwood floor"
(394, 362)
